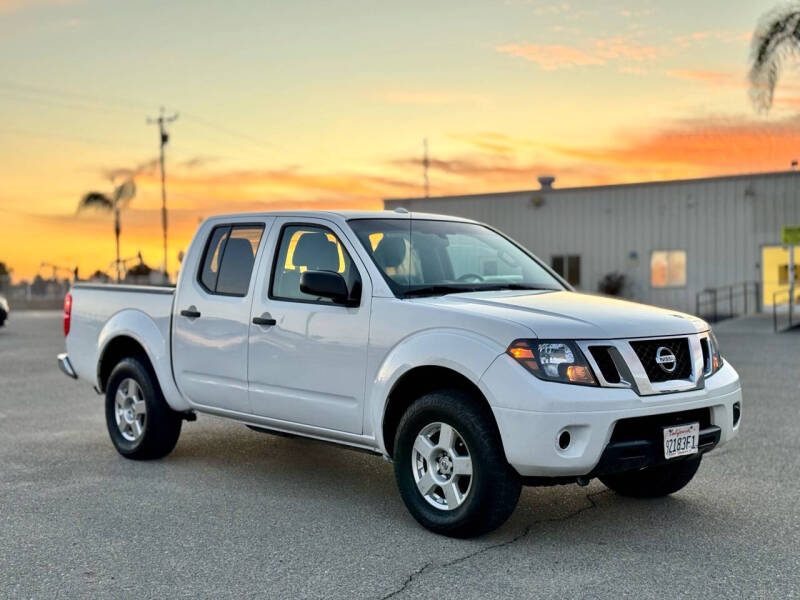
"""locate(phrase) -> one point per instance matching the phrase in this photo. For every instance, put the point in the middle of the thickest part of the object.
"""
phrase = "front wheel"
(654, 482)
(140, 423)
(450, 466)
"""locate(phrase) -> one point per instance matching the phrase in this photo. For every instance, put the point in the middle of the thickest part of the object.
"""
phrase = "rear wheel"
(450, 466)
(654, 482)
(140, 423)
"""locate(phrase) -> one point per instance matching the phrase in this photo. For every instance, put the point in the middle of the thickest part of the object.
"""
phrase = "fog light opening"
(564, 439)
(737, 413)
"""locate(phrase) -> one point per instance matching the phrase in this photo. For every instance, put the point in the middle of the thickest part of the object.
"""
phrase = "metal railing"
(790, 305)
(734, 297)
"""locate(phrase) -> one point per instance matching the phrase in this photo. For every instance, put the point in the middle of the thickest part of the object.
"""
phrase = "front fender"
(461, 351)
(147, 333)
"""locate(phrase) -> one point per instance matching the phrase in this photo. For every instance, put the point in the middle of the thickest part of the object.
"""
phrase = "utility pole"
(162, 121)
(425, 165)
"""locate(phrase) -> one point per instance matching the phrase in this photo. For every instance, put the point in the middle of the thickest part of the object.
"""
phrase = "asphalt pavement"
(232, 513)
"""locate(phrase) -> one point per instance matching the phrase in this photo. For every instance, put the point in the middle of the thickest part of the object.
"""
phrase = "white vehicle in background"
(4, 310)
(434, 341)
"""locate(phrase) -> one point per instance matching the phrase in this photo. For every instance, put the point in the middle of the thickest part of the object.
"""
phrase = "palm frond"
(96, 200)
(776, 39)
(124, 193)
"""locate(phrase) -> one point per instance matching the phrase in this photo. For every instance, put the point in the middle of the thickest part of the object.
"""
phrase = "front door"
(776, 273)
(309, 366)
(212, 316)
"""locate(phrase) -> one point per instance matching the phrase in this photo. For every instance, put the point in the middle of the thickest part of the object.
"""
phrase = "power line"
(231, 132)
(60, 93)
(55, 97)
(72, 138)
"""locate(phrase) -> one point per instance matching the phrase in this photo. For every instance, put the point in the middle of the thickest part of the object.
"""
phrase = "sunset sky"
(325, 105)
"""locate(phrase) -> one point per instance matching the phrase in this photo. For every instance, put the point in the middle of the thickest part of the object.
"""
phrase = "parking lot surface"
(232, 513)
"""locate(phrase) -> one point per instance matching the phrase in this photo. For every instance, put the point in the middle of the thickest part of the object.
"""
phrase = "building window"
(568, 266)
(668, 268)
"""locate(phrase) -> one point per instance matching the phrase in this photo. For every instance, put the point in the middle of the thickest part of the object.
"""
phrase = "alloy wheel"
(130, 410)
(442, 466)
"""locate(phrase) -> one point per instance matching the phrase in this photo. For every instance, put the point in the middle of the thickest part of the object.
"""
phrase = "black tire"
(162, 425)
(654, 482)
(493, 488)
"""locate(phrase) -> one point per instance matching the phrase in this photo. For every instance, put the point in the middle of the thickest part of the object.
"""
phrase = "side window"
(211, 260)
(313, 248)
(228, 261)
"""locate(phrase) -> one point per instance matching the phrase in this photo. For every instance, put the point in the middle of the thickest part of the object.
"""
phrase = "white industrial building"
(671, 239)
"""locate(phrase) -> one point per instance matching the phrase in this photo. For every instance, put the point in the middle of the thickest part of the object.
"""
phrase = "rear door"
(309, 367)
(212, 315)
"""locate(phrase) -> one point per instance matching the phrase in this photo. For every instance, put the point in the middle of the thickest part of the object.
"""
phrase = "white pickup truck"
(436, 342)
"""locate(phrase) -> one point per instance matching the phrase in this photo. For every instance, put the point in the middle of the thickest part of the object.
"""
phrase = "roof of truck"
(344, 214)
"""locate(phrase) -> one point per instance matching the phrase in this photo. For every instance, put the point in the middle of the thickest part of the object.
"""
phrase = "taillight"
(67, 313)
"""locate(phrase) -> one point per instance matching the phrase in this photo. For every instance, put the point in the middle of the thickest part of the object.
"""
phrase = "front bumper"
(65, 366)
(532, 415)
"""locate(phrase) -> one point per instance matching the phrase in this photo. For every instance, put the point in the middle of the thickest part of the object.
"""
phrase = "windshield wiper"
(438, 290)
(441, 290)
(516, 286)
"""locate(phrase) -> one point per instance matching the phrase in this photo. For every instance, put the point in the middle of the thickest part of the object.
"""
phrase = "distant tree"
(776, 39)
(39, 286)
(120, 198)
(100, 276)
(5, 276)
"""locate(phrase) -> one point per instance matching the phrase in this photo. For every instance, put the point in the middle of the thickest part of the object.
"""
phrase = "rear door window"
(229, 259)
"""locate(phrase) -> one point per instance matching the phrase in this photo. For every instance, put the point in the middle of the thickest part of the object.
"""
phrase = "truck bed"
(94, 306)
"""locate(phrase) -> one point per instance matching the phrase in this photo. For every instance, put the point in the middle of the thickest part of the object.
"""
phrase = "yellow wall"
(775, 272)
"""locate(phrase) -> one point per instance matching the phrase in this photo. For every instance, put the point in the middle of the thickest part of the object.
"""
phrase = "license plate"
(681, 440)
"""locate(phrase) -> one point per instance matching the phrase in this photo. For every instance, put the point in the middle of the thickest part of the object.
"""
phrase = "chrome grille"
(631, 363)
(647, 350)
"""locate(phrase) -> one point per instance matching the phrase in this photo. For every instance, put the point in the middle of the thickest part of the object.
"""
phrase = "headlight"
(553, 361)
(713, 362)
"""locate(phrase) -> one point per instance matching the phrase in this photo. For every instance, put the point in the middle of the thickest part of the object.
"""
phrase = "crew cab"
(436, 342)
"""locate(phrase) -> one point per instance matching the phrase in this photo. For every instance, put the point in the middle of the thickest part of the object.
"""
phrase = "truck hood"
(571, 315)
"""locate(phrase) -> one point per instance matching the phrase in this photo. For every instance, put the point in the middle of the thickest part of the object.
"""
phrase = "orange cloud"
(598, 52)
(725, 78)
(703, 147)
(551, 56)
(721, 36)
(9, 6)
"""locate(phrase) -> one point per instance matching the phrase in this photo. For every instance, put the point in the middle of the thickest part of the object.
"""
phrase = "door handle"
(190, 312)
(264, 319)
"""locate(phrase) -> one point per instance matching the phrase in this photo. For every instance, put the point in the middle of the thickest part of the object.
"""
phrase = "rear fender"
(143, 329)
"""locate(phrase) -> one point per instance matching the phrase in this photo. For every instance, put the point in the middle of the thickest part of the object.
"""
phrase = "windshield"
(419, 257)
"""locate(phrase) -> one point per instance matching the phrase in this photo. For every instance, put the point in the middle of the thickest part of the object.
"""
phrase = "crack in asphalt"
(430, 566)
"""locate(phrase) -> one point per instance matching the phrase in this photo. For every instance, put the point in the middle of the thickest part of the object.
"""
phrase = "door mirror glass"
(325, 284)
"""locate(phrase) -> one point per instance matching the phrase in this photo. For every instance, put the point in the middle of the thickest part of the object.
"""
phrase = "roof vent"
(546, 181)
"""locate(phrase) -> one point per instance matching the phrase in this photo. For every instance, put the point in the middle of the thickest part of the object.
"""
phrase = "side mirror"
(326, 284)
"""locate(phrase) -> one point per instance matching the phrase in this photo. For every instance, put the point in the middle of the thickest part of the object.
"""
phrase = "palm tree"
(776, 39)
(119, 199)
